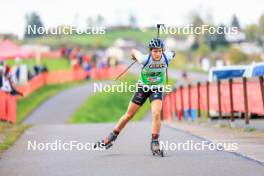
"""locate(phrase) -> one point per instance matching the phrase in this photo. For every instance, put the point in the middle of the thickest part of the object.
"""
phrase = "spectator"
(6, 69)
(63, 50)
(45, 69)
(68, 52)
(19, 72)
(37, 70)
(74, 64)
(1, 76)
(5, 84)
(87, 67)
(86, 58)
(185, 77)
(79, 57)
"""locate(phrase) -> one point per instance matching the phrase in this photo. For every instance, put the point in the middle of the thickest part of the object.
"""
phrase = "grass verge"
(108, 106)
(53, 64)
(9, 133)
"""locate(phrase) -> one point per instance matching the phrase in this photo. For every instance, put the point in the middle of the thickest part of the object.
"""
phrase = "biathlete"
(150, 85)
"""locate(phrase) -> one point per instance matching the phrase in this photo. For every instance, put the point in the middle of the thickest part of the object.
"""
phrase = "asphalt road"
(130, 155)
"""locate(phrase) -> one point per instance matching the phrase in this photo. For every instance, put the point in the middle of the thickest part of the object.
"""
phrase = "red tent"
(9, 50)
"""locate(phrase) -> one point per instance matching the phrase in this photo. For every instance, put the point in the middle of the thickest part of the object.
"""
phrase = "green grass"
(250, 129)
(29, 103)
(51, 63)
(9, 134)
(107, 106)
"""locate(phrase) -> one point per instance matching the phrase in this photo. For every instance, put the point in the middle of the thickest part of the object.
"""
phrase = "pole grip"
(158, 27)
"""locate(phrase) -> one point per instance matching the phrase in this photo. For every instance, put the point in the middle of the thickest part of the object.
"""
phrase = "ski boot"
(155, 148)
(107, 142)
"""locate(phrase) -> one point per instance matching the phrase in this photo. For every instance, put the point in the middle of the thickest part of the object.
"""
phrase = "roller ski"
(155, 148)
(107, 142)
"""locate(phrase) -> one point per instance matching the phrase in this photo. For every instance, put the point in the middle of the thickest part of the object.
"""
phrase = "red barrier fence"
(229, 96)
(8, 102)
(7, 107)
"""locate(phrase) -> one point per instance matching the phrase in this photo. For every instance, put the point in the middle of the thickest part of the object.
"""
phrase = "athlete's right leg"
(108, 141)
(131, 110)
(138, 99)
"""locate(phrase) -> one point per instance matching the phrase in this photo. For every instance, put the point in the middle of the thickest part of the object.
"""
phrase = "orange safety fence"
(244, 95)
(8, 102)
(7, 107)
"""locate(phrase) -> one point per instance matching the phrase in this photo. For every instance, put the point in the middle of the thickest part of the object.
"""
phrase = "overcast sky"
(170, 12)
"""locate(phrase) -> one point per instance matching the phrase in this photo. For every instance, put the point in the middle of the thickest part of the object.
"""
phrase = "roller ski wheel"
(158, 153)
(106, 143)
(155, 148)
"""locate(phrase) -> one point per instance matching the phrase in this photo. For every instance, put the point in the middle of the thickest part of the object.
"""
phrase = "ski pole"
(158, 27)
(125, 70)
